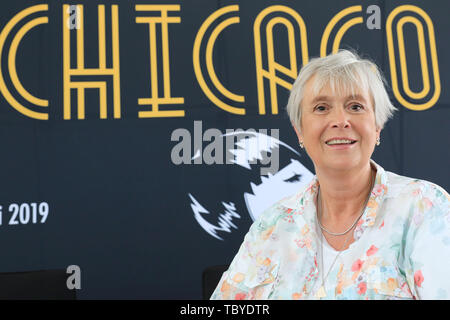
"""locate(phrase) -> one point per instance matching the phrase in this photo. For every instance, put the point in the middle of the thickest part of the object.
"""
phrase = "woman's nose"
(339, 118)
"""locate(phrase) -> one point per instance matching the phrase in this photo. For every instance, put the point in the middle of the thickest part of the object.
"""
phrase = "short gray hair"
(344, 70)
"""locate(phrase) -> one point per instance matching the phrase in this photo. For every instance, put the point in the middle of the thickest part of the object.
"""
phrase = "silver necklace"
(319, 205)
(322, 292)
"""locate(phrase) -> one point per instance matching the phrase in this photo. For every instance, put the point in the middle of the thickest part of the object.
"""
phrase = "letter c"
(12, 62)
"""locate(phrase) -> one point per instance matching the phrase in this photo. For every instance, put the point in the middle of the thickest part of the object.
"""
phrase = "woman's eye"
(356, 107)
(321, 108)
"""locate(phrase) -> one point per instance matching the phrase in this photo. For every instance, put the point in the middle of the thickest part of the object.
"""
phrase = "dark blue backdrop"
(119, 208)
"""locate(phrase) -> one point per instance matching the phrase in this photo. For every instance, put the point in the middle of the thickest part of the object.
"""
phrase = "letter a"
(73, 281)
(373, 21)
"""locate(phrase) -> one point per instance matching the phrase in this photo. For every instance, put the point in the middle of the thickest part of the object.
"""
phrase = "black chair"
(44, 284)
(210, 279)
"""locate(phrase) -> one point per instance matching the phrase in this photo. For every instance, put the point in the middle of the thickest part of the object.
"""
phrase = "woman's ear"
(378, 131)
(299, 135)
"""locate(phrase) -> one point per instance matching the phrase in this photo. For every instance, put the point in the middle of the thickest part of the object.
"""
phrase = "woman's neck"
(343, 194)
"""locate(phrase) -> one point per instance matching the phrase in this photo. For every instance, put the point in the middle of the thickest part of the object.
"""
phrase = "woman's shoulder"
(422, 204)
(414, 188)
(288, 205)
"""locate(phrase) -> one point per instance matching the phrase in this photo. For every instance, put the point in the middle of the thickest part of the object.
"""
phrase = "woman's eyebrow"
(349, 97)
(320, 98)
(356, 97)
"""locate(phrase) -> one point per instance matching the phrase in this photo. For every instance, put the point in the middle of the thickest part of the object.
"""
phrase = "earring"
(301, 144)
(378, 141)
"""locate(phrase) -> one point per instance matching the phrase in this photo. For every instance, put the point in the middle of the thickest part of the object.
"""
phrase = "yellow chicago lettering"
(209, 60)
(423, 58)
(342, 30)
(164, 19)
(415, 96)
(12, 62)
(81, 69)
(273, 66)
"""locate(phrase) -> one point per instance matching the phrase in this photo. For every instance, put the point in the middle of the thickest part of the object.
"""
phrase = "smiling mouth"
(340, 143)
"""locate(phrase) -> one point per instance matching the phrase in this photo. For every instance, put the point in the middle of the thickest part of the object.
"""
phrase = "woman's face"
(326, 117)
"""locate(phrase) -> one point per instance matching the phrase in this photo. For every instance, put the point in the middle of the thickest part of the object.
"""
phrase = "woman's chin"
(342, 163)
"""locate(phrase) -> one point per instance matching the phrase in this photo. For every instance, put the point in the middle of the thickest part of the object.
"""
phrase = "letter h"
(81, 70)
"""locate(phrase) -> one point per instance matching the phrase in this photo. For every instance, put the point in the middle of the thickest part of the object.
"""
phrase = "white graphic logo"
(251, 146)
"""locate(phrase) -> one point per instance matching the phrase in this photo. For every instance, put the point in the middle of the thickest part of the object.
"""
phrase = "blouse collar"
(304, 200)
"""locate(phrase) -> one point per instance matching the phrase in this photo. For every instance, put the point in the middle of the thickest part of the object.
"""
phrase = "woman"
(356, 231)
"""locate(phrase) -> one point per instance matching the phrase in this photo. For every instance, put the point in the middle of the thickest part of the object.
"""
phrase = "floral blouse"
(401, 248)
